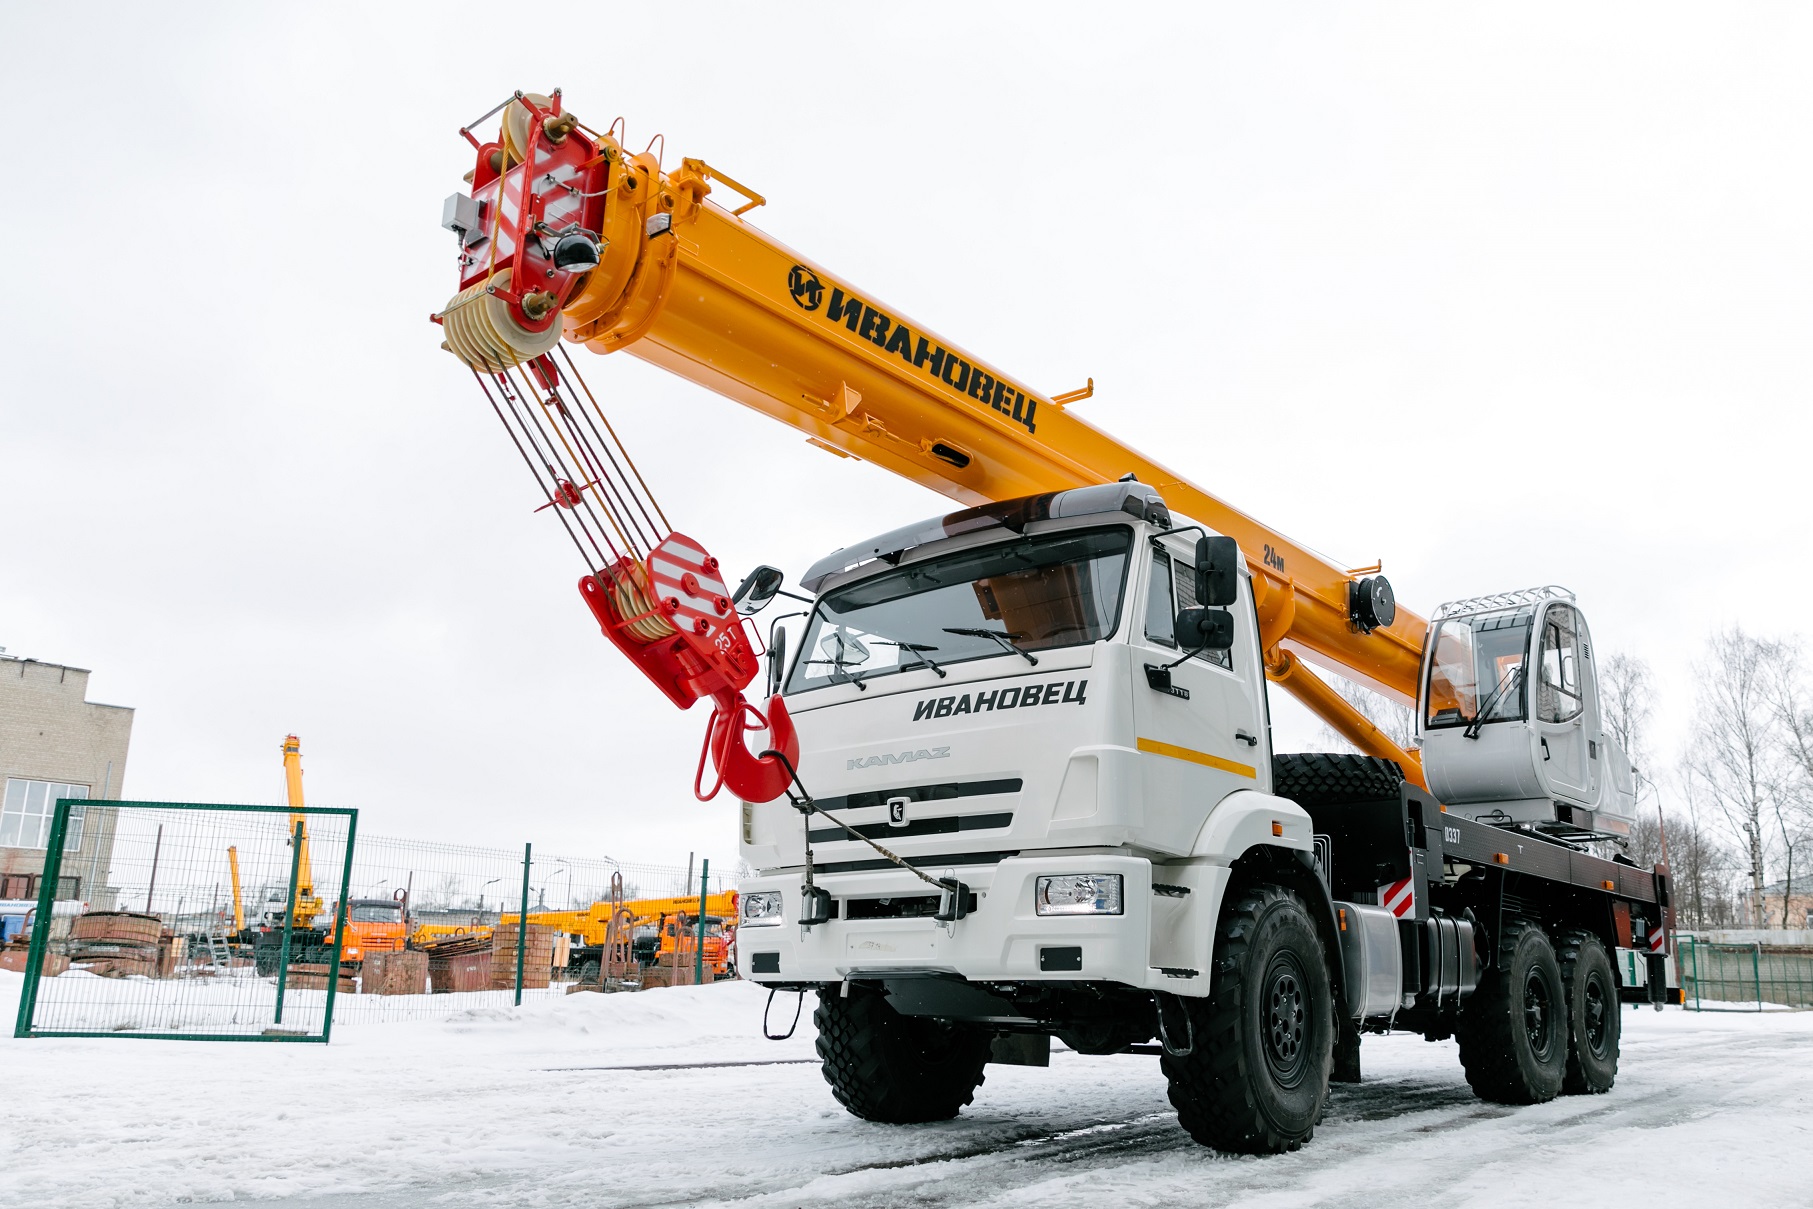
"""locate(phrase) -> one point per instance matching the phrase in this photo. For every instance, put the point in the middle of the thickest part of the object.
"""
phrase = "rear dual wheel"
(1594, 1020)
(1514, 1030)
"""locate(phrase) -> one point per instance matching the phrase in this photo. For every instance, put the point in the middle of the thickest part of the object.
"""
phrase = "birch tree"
(1736, 752)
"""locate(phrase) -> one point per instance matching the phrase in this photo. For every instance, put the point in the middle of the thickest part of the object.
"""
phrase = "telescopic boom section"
(691, 286)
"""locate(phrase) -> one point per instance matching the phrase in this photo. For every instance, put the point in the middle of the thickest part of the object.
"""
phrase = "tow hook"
(953, 900)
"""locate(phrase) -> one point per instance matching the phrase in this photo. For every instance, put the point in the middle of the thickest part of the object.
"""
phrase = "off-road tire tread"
(1577, 1080)
(1325, 778)
(862, 1047)
(1484, 1030)
(1210, 1088)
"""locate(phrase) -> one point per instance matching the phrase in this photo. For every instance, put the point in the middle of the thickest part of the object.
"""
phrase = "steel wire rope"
(619, 481)
(537, 439)
(601, 505)
(566, 471)
(619, 490)
(533, 432)
(605, 420)
(530, 463)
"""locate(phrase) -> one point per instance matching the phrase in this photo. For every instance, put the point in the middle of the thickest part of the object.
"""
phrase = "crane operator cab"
(1509, 718)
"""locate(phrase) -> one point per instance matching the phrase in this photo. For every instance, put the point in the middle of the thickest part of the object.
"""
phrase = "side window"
(1558, 688)
(1186, 599)
(1161, 605)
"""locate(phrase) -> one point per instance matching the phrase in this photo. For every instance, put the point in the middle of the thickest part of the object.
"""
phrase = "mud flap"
(1347, 1053)
(1020, 1049)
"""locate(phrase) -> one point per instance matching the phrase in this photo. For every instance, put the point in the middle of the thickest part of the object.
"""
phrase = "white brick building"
(56, 743)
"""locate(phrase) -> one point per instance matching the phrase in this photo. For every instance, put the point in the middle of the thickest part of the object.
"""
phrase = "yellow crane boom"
(307, 905)
(697, 289)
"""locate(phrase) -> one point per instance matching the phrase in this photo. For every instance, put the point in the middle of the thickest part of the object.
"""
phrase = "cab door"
(1558, 706)
(1200, 728)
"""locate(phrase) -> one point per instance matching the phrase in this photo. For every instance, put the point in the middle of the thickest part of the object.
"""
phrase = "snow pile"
(509, 1107)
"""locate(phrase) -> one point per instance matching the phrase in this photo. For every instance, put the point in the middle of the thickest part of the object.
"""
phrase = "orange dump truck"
(374, 925)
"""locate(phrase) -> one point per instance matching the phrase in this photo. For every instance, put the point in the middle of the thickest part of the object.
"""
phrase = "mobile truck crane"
(1017, 781)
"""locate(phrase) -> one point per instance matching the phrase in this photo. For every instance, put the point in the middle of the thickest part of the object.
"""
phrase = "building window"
(26, 811)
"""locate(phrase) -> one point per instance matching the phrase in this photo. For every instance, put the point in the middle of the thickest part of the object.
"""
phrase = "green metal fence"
(1744, 977)
(159, 948)
(226, 922)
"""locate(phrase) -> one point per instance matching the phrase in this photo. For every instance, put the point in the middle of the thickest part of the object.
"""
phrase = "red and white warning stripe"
(1658, 938)
(1399, 898)
(688, 587)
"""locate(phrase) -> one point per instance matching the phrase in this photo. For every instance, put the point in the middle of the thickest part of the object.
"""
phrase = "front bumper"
(1155, 944)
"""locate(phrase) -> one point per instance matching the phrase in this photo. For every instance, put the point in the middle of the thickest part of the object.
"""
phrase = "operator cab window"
(1558, 686)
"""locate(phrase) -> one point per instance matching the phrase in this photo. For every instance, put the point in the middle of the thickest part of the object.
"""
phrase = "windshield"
(1479, 661)
(1033, 594)
(376, 914)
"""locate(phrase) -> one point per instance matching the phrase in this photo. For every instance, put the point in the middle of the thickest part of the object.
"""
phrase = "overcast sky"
(1503, 298)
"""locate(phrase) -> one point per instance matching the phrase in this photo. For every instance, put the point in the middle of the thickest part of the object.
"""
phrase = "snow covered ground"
(509, 1108)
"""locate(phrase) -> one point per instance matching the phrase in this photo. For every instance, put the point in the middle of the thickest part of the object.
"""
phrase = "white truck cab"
(1000, 698)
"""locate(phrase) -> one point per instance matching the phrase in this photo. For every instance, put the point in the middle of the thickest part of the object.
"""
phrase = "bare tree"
(1791, 701)
(1700, 867)
(1736, 743)
(1627, 690)
(1397, 721)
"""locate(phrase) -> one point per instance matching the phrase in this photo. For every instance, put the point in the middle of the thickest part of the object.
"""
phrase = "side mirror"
(758, 588)
(777, 659)
(1205, 629)
(1217, 572)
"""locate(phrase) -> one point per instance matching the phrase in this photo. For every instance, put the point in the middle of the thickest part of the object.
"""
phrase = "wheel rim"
(1285, 1020)
(1598, 1017)
(1538, 1011)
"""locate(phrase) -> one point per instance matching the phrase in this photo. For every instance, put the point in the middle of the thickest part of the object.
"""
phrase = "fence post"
(1756, 971)
(289, 923)
(1695, 942)
(346, 878)
(522, 923)
(40, 930)
(698, 952)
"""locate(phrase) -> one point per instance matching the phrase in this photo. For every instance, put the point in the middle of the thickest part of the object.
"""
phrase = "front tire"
(1593, 1015)
(900, 1070)
(1513, 1032)
(1256, 1079)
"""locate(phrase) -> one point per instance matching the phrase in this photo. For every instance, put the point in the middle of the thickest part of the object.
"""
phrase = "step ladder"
(220, 953)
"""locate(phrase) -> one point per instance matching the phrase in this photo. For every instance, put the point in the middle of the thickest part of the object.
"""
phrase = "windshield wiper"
(1004, 637)
(917, 650)
(843, 669)
(1490, 703)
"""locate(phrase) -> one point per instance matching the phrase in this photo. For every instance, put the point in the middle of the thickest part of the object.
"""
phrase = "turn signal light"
(1503, 858)
(1277, 827)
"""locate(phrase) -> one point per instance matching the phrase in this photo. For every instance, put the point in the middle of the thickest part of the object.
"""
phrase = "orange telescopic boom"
(568, 234)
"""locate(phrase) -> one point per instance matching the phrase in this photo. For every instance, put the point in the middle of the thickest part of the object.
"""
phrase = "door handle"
(1245, 738)
(1545, 749)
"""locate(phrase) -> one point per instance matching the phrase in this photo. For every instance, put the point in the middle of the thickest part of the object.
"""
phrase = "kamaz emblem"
(900, 757)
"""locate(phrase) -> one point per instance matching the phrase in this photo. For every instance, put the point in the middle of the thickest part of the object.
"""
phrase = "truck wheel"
(1592, 1013)
(1256, 1079)
(902, 1070)
(1313, 779)
(1513, 1031)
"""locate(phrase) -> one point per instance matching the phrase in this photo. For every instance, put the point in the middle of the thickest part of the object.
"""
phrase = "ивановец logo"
(805, 287)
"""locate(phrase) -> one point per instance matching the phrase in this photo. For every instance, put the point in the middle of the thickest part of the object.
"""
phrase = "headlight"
(762, 909)
(1078, 894)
